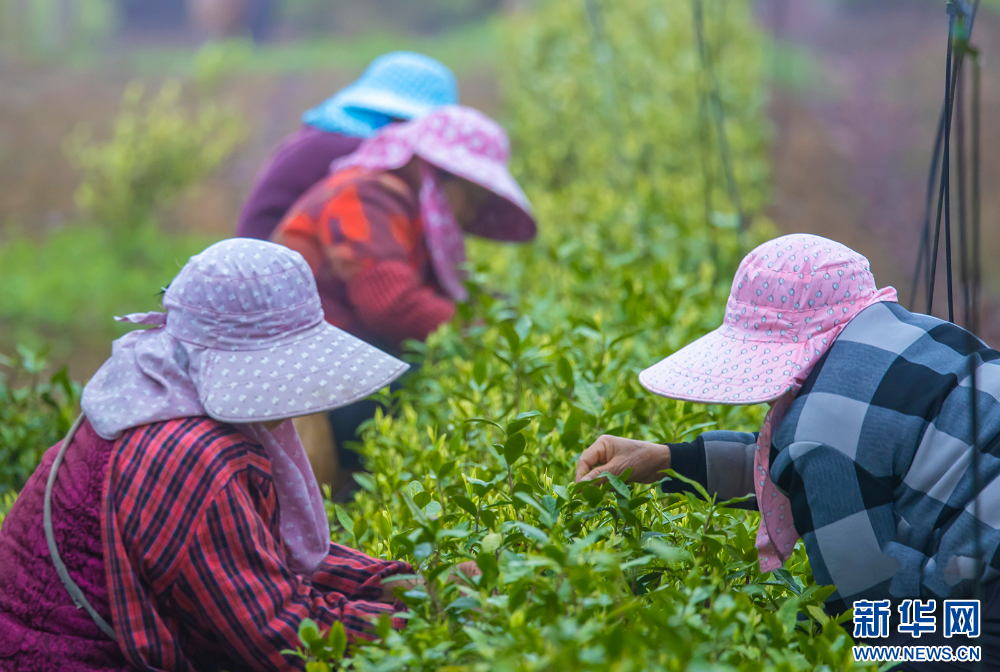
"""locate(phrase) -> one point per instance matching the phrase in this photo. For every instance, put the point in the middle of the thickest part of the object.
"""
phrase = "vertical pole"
(924, 251)
(963, 238)
(976, 243)
(718, 114)
(943, 197)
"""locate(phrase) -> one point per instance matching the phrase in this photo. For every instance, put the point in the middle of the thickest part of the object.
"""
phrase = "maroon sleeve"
(386, 280)
(391, 302)
(301, 161)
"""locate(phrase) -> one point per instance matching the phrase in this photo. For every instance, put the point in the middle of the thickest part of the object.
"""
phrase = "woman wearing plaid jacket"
(866, 452)
(181, 511)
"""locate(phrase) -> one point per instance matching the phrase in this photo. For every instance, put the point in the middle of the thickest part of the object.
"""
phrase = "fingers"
(614, 455)
(469, 568)
(597, 454)
(610, 468)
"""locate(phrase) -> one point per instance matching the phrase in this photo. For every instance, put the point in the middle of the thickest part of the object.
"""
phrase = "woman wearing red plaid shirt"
(181, 512)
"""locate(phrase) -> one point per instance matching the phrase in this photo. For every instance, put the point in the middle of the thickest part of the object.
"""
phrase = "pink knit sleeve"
(391, 302)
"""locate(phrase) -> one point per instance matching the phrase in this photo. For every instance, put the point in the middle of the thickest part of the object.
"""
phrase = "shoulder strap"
(74, 590)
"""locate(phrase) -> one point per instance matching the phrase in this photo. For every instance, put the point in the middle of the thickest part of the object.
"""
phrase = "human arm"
(376, 246)
(358, 576)
(233, 586)
(363, 231)
(391, 301)
(721, 462)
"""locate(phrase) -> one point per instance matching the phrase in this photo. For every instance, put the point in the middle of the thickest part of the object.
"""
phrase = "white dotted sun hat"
(243, 340)
(255, 307)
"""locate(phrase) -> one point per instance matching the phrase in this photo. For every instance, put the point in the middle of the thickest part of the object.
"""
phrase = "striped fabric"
(875, 456)
(194, 558)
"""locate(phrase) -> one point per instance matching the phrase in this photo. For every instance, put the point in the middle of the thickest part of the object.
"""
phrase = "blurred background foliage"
(85, 29)
(71, 71)
(115, 256)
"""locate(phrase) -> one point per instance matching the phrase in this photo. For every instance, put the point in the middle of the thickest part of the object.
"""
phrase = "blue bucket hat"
(397, 85)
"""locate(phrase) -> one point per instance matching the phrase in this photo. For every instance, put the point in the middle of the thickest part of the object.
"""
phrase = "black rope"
(924, 251)
(975, 208)
(927, 255)
(961, 20)
(944, 196)
(971, 291)
(963, 242)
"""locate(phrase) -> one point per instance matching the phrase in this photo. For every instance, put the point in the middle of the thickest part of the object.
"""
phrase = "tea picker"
(181, 511)
(384, 234)
(876, 450)
(397, 86)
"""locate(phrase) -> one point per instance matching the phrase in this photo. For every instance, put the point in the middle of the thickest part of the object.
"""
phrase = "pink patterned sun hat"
(790, 299)
(467, 143)
(243, 341)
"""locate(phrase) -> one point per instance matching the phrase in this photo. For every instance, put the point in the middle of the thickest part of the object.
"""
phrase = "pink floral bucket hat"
(466, 143)
(790, 299)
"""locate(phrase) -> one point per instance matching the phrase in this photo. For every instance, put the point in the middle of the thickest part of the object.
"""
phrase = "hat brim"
(319, 369)
(383, 102)
(720, 369)
(335, 119)
(507, 216)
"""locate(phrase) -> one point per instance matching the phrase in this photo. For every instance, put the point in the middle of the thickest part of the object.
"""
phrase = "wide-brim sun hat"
(464, 142)
(790, 298)
(397, 85)
(245, 329)
(270, 353)
(467, 143)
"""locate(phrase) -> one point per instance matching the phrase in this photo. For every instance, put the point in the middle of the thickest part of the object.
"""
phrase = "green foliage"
(70, 284)
(65, 289)
(6, 502)
(156, 151)
(217, 59)
(35, 413)
(477, 462)
(616, 97)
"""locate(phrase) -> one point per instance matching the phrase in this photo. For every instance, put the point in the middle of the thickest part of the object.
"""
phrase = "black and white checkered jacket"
(875, 455)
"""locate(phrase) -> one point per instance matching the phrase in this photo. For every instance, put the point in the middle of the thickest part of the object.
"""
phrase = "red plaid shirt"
(195, 563)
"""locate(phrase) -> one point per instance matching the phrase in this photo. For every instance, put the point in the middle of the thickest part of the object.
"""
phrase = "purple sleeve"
(301, 161)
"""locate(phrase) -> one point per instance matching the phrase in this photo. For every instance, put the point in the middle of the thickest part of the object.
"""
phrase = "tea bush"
(157, 150)
(633, 261)
(609, 105)
(112, 259)
(35, 413)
